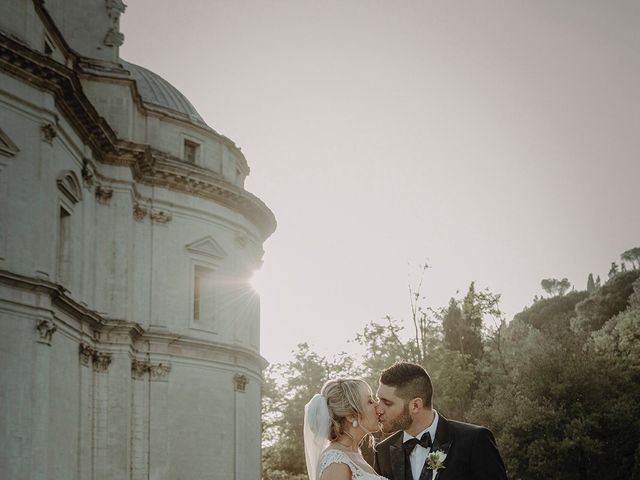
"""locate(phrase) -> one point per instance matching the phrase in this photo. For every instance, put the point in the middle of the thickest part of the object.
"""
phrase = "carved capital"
(48, 132)
(159, 372)
(139, 369)
(160, 216)
(101, 361)
(115, 8)
(45, 329)
(113, 38)
(240, 382)
(103, 194)
(139, 212)
(86, 354)
(87, 174)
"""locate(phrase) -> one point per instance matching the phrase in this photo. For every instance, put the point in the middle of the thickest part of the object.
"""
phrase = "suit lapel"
(396, 453)
(442, 441)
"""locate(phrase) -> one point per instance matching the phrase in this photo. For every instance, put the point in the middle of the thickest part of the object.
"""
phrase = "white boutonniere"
(435, 461)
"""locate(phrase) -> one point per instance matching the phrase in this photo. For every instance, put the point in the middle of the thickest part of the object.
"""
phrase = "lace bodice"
(337, 456)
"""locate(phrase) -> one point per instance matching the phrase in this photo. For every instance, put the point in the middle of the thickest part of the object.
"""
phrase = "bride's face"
(369, 418)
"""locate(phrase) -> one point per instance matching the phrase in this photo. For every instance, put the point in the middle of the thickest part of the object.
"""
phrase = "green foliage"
(619, 338)
(383, 347)
(552, 314)
(591, 284)
(557, 394)
(462, 321)
(559, 385)
(632, 256)
(613, 270)
(609, 300)
(554, 287)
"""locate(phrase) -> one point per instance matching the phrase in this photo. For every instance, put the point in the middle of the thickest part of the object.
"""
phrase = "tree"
(541, 392)
(554, 286)
(452, 326)
(591, 285)
(384, 347)
(613, 270)
(609, 300)
(552, 314)
(632, 256)
(472, 313)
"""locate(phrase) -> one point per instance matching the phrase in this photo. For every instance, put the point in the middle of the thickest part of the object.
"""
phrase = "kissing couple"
(425, 445)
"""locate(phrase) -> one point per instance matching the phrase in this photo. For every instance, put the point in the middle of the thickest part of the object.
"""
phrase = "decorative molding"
(7, 147)
(86, 354)
(139, 212)
(45, 329)
(139, 368)
(115, 8)
(87, 174)
(207, 247)
(103, 194)
(159, 372)
(240, 382)
(48, 132)
(101, 361)
(152, 167)
(113, 38)
(149, 166)
(18, 59)
(160, 216)
(69, 185)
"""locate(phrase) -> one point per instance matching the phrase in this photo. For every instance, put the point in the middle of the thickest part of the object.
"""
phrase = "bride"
(336, 421)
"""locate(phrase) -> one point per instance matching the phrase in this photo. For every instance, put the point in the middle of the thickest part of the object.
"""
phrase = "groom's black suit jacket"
(471, 451)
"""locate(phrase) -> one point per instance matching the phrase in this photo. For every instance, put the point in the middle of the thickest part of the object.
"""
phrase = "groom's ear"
(415, 405)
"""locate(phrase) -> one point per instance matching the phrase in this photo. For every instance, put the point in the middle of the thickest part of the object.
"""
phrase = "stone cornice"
(37, 69)
(190, 346)
(124, 332)
(149, 166)
(152, 167)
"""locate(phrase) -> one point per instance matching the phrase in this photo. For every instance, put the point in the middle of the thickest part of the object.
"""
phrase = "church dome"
(157, 92)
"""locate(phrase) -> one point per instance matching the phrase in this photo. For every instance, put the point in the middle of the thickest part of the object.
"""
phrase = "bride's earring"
(354, 424)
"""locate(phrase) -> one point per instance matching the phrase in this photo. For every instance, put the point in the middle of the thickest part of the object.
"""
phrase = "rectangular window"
(64, 234)
(203, 292)
(190, 151)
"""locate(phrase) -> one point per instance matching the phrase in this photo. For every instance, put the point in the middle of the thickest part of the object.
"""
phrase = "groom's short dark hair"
(410, 381)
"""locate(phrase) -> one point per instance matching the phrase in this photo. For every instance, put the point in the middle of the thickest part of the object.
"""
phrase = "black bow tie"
(424, 442)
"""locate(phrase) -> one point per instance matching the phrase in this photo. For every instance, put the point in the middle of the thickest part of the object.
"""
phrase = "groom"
(405, 395)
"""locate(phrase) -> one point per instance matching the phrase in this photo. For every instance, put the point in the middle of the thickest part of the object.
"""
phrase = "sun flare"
(255, 280)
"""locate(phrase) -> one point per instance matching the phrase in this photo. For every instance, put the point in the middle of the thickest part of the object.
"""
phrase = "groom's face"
(393, 411)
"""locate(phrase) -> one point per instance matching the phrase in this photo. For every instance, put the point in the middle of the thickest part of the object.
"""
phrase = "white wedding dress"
(333, 455)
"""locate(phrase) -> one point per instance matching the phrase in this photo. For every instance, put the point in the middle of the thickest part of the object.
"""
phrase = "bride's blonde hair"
(343, 399)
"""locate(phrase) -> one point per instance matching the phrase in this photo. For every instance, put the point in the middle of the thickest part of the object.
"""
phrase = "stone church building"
(129, 336)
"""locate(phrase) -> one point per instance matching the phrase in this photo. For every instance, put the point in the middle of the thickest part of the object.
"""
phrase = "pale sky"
(498, 139)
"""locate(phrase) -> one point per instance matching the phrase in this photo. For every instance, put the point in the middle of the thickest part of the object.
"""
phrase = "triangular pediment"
(7, 147)
(208, 247)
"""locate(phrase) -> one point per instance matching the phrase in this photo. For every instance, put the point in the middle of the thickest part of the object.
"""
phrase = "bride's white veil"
(317, 423)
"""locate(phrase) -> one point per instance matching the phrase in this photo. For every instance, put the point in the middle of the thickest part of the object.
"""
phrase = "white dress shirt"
(419, 454)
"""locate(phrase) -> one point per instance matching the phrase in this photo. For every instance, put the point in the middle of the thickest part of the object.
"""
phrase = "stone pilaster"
(159, 421)
(101, 362)
(119, 417)
(44, 330)
(140, 420)
(85, 454)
